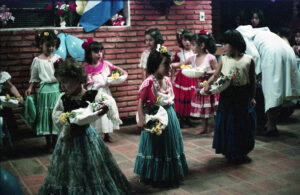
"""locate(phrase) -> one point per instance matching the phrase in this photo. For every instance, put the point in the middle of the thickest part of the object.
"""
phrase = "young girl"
(203, 106)
(42, 71)
(257, 18)
(161, 159)
(183, 86)
(98, 70)
(153, 37)
(81, 163)
(234, 126)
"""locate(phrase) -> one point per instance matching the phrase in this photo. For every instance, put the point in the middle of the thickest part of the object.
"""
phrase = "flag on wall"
(97, 12)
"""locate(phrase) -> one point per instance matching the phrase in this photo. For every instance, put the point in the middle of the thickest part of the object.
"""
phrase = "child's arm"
(14, 91)
(121, 70)
(214, 77)
(252, 83)
(213, 65)
(28, 91)
(141, 123)
(57, 110)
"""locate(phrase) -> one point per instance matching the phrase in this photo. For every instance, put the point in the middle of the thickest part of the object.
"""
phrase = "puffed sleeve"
(4, 77)
(58, 109)
(110, 65)
(146, 92)
(34, 76)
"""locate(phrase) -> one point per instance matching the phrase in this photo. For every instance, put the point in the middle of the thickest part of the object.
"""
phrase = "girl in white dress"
(98, 70)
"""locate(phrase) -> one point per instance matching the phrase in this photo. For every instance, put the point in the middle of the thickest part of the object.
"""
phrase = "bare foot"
(201, 131)
(107, 138)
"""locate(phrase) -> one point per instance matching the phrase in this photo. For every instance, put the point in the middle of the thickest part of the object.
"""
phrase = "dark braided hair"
(47, 36)
(208, 40)
(184, 34)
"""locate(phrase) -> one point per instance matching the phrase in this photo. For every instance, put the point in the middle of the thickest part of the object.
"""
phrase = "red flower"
(72, 7)
(58, 3)
(90, 40)
(58, 62)
(233, 77)
(203, 31)
(60, 12)
(85, 45)
(49, 7)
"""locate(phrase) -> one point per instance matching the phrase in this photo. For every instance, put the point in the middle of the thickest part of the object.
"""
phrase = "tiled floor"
(275, 166)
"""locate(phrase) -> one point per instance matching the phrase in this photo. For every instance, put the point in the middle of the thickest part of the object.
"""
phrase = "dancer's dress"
(97, 80)
(161, 158)
(81, 163)
(183, 87)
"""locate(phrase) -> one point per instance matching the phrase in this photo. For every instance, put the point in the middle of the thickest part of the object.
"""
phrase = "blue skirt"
(83, 164)
(235, 123)
(161, 158)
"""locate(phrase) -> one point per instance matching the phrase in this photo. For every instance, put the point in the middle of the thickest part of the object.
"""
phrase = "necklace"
(157, 86)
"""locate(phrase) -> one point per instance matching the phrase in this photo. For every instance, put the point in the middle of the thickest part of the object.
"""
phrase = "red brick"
(145, 12)
(114, 51)
(122, 115)
(117, 29)
(185, 12)
(121, 104)
(120, 94)
(133, 103)
(157, 17)
(185, 22)
(176, 17)
(126, 109)
(194, 7)
(29, 49)
(134, 7)
(126, 98)
(9, 50)
(117, 62)
(133, 39)
(20, 43)
(10, 38)
(109, 57)
(137, 18)
(106, 34)
(137, 71)
(122, 56)
(109, 45)
(121, 45)
(134, 50)
(166, 22)
(23, 32)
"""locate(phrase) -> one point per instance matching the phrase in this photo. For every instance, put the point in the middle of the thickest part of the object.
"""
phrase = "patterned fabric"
(97, 80)
(161, 158)
(46, 98)
(235, 123)
(42, 71)
(204, 106)
(82, 164)
(183, 87)
(144, 59)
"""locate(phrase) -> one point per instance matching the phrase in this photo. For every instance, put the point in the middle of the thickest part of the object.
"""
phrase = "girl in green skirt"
(42, 72)
(161, 160)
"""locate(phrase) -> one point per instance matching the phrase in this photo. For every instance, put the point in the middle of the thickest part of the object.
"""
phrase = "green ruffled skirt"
(46, 99)
(161, 159)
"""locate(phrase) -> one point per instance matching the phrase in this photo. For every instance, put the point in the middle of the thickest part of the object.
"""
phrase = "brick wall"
(123, 45)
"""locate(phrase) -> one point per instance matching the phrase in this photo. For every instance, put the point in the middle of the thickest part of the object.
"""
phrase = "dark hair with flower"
(58, 62)
(70, 68)
(155, 58)
(183, 34)
(63, 10)
(207, 39)
(155, 34)
(47, 36)
(89, 46)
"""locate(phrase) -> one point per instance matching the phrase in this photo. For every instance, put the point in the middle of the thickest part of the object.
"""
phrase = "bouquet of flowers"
(5, 16)
(156, 118)
(7, 101)
(63, 10)
(118, 20)
(183, 66)
(116, 77)
(193, 72)
(223, 82)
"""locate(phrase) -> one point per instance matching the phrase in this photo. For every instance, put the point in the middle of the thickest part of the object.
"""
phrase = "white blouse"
(43, 70)
(144, 59)
(4, 76)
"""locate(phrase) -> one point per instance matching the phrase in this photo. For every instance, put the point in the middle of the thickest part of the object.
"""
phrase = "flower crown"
(85, 45)
(58, 62)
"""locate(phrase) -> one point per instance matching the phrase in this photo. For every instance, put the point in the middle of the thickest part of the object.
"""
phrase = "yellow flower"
(7, 97)
(202, 84)
(185, 66)
(157, 98)
(159, 132)
(163, 49)
(46, 34)
(115, 76)
(62, 117)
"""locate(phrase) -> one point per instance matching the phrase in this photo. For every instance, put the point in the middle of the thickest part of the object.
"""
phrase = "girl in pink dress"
(203, 106)
(98, 70)
(183, 86)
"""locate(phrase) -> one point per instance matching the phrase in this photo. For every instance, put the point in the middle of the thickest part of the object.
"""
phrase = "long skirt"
(82, 164)
(235, 123)
(46, 99)
(161, 158)
(183, 89)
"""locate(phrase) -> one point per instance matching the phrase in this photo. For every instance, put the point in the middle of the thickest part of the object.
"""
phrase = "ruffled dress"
(97, 80)
(183, 87)
(81, 163)
(161, 158)
(203, 106)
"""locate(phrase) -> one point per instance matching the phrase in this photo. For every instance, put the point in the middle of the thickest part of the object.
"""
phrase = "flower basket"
(9, 102)
(116, 77)
(156, 118)
(193, 72)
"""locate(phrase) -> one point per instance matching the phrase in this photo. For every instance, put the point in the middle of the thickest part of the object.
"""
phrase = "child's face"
(70, 86)
(48, 48)
(196, 48)
(227, 49)
(96, 56)
(297, 38)
(186, 44)
(255, 20)
(150, 42)
(164, 67)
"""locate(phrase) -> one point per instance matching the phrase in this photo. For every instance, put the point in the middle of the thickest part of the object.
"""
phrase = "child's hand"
(103, 109)
(27, 92)
(20, 100)
(252, 102)
(206, 88)
(141, 124)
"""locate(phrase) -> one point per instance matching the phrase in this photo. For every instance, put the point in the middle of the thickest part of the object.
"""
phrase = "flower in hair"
(46, 34)
(58, 62)
(179, 31)
(85, 45)
(203, 32)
